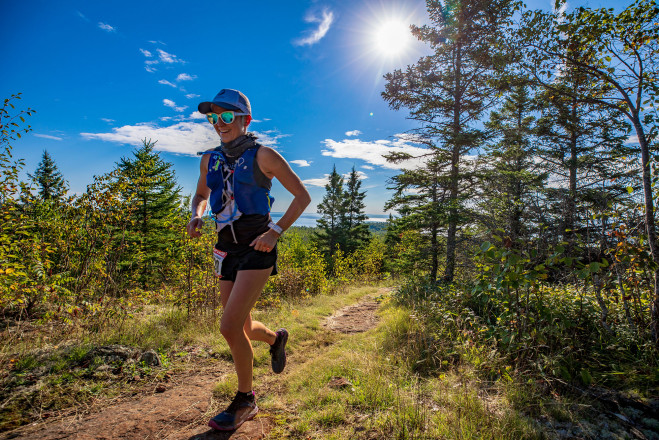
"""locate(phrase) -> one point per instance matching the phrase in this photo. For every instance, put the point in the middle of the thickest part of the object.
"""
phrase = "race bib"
(218, 258)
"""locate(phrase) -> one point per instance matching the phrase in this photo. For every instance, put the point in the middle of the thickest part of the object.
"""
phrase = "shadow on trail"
(216, 435)
(255, 429)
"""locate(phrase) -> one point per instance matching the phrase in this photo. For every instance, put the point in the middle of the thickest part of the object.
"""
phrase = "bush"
(512, 317)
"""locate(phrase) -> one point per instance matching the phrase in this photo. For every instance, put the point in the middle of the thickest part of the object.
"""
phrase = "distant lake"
(311, 218)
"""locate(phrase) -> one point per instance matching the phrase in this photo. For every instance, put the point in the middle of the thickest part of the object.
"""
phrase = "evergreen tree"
(616, 54)
(421, 198)
(449, 90)
(582, 147)
(512, 177)
(332, 209)
(152, 188)
(355, 227)
(47, 176)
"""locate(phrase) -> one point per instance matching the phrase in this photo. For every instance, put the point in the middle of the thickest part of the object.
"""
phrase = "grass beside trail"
(380, 397)
(46, 370)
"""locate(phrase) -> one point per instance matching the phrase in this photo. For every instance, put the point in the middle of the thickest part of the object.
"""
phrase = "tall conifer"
(512, 177)
(332, 209)
(152, 187)
(356, 229)
(51, 184)
(448, 90)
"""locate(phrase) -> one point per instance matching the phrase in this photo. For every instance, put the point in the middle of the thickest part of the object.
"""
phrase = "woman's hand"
(265, 242)
(194, 227)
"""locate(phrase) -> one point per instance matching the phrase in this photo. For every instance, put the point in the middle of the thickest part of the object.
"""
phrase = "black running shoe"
(278, 351)
(241, 410)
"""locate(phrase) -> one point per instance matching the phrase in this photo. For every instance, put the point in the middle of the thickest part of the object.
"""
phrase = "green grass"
(385, 399)
(394, 391)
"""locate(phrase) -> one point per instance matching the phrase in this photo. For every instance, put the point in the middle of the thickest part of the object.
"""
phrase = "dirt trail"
(182, 410)
(355, 318)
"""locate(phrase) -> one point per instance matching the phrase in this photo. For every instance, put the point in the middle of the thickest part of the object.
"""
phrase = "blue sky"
(104, 75)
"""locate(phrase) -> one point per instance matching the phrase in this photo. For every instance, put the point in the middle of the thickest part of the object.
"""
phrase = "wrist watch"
(275, 227)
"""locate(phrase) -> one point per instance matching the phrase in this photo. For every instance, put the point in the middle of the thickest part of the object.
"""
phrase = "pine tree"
(448, 90)
(512, 177)
(152, 187)
(332, 209)
(355, 227)
(421, 198)
(51, 184)
(582, 146)
(616, 54)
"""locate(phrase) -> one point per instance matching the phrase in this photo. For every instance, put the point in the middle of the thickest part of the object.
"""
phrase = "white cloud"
(167, 83)
(372, 152)
(173, 118)
(163, 57)
(560, 11)
(192, 95)
(367, 167)
(353, 133)
(108, 120)
(301, 163)
(322, 181)
(149, 64)
(360, 175)
(316, 35)
(185, 77)
(106, 27)
(47, 136)
(196, 115)
(184, 137)
(168, 57)
(632, 139)
(269, 138)
(81, 15)
(172, 104)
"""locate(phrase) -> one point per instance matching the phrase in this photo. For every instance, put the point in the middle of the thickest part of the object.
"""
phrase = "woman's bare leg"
(255, 330)
(238, 303)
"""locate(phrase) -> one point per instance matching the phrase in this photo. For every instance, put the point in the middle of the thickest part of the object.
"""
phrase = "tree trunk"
(449, 271)
(434, 254)
(434, 247)
(649, 223)
(570, 208)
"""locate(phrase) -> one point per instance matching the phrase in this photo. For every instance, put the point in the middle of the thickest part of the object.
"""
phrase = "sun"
(392, 37)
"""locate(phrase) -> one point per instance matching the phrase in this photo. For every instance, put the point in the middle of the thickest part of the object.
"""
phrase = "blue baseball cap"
(229, 99)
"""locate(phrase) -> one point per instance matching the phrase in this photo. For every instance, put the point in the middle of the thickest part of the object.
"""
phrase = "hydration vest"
(238, 179)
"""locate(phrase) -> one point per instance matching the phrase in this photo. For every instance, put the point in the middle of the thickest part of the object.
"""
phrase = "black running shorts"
(244, 257)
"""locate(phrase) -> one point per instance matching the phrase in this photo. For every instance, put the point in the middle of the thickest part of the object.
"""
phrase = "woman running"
(235, 178)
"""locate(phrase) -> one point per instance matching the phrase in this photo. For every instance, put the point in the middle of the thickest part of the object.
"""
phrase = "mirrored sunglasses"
(227, 117)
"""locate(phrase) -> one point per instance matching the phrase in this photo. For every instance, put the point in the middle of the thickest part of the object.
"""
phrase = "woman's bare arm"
(273, 165)
(199, 200)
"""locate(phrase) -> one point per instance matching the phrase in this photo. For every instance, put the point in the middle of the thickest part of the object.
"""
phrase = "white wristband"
(275, 227)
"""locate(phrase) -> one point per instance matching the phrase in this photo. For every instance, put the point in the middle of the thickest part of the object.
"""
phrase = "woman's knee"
(231, 330)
